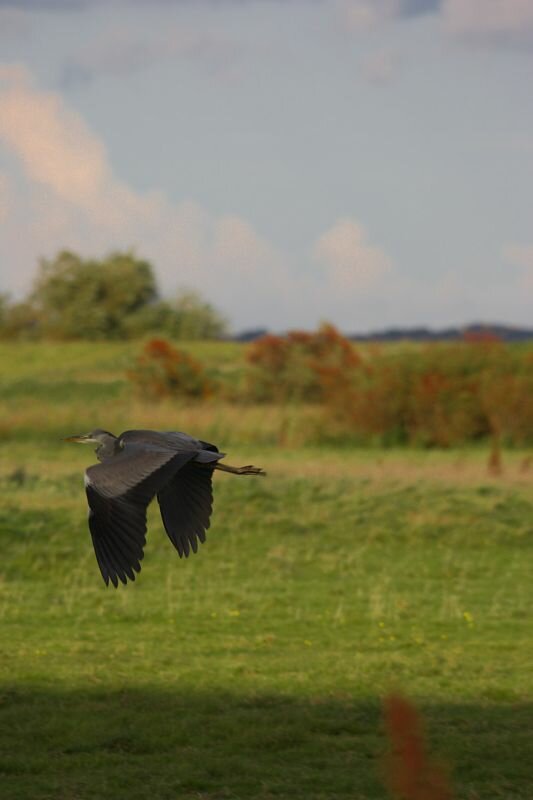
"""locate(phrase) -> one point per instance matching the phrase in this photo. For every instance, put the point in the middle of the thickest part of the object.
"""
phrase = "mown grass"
(256, 668)
(49, 388)
(97, 361)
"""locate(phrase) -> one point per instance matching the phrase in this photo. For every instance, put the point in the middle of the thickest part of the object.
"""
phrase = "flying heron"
(134, 468)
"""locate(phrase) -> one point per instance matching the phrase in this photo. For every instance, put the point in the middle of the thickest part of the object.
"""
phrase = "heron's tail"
(249, 470)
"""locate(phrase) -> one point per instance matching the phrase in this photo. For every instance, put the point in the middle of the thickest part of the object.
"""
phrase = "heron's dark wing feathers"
(118, 492)
(173, 441)
(138, 469)
(118, 531)
(186, 504)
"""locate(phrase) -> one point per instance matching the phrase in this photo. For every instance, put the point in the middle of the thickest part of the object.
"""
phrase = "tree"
(112, 298)
(197, 319)
(17, 320)
(77, 298)
(4, 308)
(188, 317)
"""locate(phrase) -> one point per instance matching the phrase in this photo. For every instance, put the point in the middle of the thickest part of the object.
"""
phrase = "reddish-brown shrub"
(300, 366)
(506, 392)
(162, 370)
(444, 409)
(481, 336)
(441, 395)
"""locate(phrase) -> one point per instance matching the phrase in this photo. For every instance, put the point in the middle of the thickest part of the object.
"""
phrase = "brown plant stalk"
(411, 774)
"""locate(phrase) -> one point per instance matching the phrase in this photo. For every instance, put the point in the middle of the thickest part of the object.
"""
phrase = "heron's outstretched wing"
(186, 504)
(118, 531)
(118, 492)
(175, 441)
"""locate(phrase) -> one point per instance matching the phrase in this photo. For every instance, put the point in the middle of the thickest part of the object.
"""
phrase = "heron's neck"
(107, 449)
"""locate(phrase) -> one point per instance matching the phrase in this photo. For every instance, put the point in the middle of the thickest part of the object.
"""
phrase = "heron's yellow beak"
(84, 438)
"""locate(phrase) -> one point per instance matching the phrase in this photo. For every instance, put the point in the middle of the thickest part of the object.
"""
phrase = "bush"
(299, 367)
(440, 395)
(162, 370)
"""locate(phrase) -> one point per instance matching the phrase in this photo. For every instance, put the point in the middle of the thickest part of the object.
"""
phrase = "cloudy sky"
(369, 162)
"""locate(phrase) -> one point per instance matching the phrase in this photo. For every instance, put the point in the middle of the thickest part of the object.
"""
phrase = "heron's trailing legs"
(249, 470)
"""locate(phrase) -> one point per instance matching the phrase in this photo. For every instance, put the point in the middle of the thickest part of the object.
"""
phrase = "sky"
(366, 162)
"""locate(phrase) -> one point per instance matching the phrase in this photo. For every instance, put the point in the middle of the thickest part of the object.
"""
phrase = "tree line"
(115, 297)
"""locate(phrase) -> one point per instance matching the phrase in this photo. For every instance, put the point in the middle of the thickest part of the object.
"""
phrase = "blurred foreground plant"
(411, 773)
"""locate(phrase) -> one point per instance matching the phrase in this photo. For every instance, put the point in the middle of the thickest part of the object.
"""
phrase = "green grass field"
(257, 668)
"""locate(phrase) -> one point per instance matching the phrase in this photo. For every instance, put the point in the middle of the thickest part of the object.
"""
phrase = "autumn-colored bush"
(442, 395)
(444, 404)
(376, 405)
(506, 396)
(300, 366)
(439, 395)
(161, 370)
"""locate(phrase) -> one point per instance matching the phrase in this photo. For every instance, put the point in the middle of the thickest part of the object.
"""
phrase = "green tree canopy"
(77, 298)
(195, 318)
(112, 298)
(187, 317)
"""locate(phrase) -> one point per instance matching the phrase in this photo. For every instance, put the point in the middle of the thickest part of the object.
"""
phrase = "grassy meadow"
(256, 668)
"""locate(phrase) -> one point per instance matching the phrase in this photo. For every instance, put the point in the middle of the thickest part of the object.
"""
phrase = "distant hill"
(506, 333)
(249, 335)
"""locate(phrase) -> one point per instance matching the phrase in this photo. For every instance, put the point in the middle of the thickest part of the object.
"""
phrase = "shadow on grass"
(141, 743)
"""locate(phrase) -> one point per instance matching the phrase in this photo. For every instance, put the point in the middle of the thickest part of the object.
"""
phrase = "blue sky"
(369, 163)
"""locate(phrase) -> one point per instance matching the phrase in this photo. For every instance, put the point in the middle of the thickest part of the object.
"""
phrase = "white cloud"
(53, 143)
(352, 264)
(14, 23)
(381, 66)
(521, 256)
(121, 51)
(506, 22)
(71, 198)
(4, 197)
(238, 248)
(364, 14)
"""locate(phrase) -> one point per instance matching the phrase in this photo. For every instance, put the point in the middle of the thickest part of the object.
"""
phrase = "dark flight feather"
(186, 504)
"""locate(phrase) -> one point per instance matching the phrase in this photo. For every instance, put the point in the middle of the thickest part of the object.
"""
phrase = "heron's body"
(134, 468)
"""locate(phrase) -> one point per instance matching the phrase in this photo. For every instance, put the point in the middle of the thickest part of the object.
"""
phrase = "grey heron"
(134, 468)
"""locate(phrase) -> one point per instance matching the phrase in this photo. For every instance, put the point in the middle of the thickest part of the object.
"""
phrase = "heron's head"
(98, 436)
